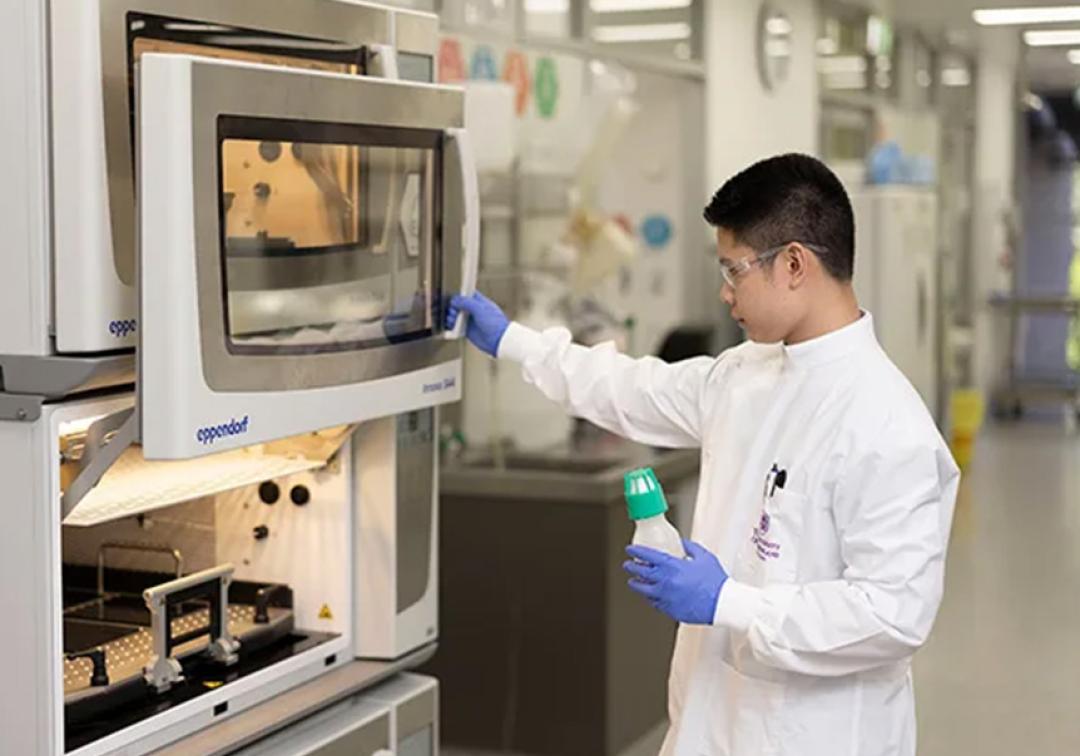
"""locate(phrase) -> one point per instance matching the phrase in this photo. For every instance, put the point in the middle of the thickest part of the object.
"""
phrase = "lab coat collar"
(832, 346)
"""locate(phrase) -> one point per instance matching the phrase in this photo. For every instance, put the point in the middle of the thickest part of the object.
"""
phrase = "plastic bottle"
(646, 505)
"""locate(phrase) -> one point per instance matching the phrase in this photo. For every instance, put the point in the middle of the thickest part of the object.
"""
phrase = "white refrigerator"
(896, 277)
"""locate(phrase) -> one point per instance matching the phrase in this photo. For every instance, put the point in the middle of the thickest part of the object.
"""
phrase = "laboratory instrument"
(233, 227)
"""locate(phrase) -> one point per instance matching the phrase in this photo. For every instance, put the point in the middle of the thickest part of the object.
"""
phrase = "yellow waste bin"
(967, 410)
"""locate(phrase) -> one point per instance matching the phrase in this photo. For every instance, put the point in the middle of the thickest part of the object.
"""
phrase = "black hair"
(789, 198)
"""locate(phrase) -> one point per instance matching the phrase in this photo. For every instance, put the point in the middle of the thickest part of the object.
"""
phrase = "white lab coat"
(835, 579)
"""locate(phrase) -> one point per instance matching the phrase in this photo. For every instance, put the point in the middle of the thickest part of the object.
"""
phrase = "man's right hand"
(487, 323)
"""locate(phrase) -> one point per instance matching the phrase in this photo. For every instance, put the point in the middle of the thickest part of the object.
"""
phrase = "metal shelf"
(1021, 388)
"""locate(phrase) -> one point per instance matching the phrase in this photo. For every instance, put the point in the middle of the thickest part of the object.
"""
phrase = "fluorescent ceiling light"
(1074, 57)
(547, 6)
(955, 77)
(1052, 38)
(619, 6)
(1026, 16)
(641, 32)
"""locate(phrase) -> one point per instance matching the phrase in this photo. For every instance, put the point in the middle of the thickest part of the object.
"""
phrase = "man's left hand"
(684, 589)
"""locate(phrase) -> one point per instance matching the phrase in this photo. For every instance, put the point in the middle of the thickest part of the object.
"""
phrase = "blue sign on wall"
(656, 230)
(483, 64)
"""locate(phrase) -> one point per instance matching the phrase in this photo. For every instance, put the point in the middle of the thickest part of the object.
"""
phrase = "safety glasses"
(733, 271)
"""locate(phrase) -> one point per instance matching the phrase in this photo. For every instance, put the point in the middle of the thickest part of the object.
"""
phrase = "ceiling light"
(955, 77)
(619, 6)
(641, 32)
(547, 6)
(1052, 38)
(1026, 16)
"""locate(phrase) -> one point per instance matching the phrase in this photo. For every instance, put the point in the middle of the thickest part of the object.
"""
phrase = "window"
(327, 235)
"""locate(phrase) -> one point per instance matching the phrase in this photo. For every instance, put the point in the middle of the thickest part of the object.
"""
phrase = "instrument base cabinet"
(397, 718)
(83, 636)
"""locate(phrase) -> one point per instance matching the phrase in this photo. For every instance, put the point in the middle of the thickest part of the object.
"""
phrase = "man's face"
(761, 299)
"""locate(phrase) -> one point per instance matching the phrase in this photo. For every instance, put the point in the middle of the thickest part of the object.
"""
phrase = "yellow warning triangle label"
(325, 612)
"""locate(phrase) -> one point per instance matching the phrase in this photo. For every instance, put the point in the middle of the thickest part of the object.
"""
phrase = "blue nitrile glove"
(487, 323)
(684, 589)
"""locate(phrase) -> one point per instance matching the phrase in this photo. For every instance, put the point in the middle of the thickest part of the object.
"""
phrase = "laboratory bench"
(542, 647)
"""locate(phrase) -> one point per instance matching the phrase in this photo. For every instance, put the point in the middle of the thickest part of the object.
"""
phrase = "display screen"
(327, 234)
(416, 67)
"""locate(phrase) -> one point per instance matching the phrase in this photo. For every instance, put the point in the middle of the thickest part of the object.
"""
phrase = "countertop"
(581, 472)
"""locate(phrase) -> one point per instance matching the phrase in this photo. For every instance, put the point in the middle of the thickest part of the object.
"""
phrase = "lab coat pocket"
(777, 536)
(746, 715)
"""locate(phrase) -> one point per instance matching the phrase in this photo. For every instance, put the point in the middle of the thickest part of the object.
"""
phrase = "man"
(826, 498)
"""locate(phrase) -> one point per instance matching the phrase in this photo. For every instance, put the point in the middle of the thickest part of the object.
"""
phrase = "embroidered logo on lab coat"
(766, 549)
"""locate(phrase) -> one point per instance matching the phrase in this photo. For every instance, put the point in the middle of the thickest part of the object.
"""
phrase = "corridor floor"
(1001, 674)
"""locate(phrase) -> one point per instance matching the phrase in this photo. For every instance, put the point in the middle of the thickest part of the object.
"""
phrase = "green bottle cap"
(644, 497)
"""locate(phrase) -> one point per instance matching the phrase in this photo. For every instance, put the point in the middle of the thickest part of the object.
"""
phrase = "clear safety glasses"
(733, 271)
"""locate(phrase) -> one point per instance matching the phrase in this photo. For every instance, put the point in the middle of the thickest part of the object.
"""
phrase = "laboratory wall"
(744, 120)
(656, 180)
